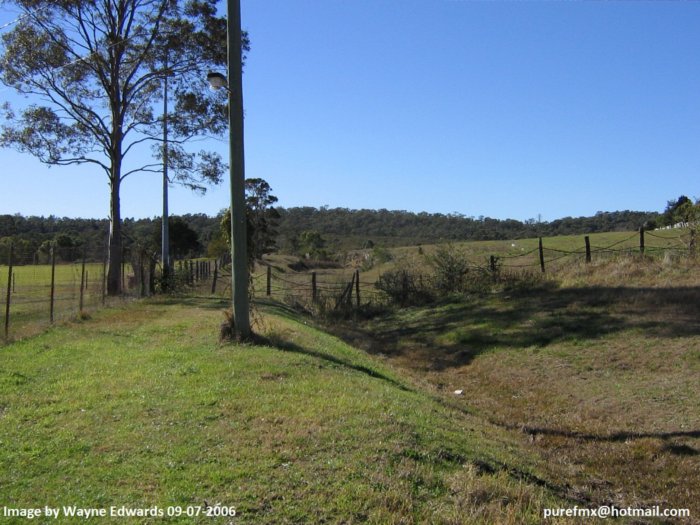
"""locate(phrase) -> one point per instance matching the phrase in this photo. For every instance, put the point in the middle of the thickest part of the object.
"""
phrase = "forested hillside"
(407, 227)
(340, 227)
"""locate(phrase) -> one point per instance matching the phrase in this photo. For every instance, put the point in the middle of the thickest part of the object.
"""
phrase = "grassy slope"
(601, 378)
(141, 406)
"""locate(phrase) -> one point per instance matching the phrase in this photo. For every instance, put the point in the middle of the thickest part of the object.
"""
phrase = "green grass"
(31, 292)
(600, 381)
(141, 406)
(564, 261)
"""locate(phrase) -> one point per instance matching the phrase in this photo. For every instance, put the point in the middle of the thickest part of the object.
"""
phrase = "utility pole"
(239, 256)
(165, 229)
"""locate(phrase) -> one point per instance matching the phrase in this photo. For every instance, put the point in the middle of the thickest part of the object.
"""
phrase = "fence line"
(307, 287)
(68, 285)
(38, 295)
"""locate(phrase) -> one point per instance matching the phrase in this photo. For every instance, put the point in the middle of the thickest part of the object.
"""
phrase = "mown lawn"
(141, 407)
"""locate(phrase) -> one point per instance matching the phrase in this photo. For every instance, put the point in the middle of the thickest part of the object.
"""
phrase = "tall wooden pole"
(239, 256)
(165, 234)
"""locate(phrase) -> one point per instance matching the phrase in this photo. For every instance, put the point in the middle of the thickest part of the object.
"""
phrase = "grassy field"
(600, 377)
(31, 283)
(142, 407)
(580, 389)
(31, 290)
(563, 255)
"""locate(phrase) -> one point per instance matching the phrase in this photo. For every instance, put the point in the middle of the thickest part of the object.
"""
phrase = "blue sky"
(502, 109)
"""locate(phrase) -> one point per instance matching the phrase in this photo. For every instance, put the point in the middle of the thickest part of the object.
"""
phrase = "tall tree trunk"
(114, 282)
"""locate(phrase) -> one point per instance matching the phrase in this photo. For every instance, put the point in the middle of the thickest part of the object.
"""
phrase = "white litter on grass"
(459, 392)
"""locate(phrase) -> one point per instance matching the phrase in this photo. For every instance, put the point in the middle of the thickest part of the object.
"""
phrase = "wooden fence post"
(350, 287)
(216, 275)
(9, 292)
(82, 286)
(269, 281)
(588, 248)
(53, 282)
(314, 291)
(104, 280)
(541, 255)
(357, 287)
(641, 240)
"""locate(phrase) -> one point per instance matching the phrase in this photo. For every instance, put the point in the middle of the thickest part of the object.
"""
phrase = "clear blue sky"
(503, 109)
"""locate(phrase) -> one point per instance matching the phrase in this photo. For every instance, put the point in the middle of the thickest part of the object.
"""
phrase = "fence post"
(9, 292)
(269, 281)
(350, 287)
(541, 255)
(641, 240)
(588, 248)
(313, 287)
(82, 286)
(216, 275)
(53, 282)
(104, 279)
(357, 287)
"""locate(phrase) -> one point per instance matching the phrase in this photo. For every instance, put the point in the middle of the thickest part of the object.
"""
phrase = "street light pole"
(239, 256)
(165, 233)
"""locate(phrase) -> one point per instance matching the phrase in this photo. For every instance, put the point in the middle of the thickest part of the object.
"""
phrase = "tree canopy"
(94, 73)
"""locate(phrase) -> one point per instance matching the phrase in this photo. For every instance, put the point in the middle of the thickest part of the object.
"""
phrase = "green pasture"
(141, 406)
(30, 292)
(563, 256)
(599, 378)
(564, 249)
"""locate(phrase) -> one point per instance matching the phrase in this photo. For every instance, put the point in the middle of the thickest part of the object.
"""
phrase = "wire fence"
(39, 290)
(37, 293)
(344, 287)
(642, 243)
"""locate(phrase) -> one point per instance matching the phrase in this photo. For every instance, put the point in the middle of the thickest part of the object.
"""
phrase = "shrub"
(451, 269)
(405, 288)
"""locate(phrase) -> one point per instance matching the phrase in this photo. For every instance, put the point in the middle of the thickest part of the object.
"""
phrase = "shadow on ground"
(452, 333)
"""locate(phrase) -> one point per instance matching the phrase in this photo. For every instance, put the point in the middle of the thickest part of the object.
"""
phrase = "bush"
(405, 288)
(451, 269)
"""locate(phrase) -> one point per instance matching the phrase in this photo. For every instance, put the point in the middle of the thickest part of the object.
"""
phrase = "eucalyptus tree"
(92, 72)
(262, 220)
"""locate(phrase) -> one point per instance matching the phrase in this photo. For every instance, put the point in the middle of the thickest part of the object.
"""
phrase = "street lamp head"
(216, 81)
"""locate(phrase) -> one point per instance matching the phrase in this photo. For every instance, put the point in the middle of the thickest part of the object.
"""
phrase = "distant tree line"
(355, 228)
(300, 230)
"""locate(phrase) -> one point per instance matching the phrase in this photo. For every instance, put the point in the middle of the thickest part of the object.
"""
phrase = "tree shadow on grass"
(453, 333)
(623, 437)
(288, 346)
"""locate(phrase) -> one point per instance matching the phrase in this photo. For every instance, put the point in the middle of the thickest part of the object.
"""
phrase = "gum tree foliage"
(262, 219)
(676, 209)
(92, 72)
